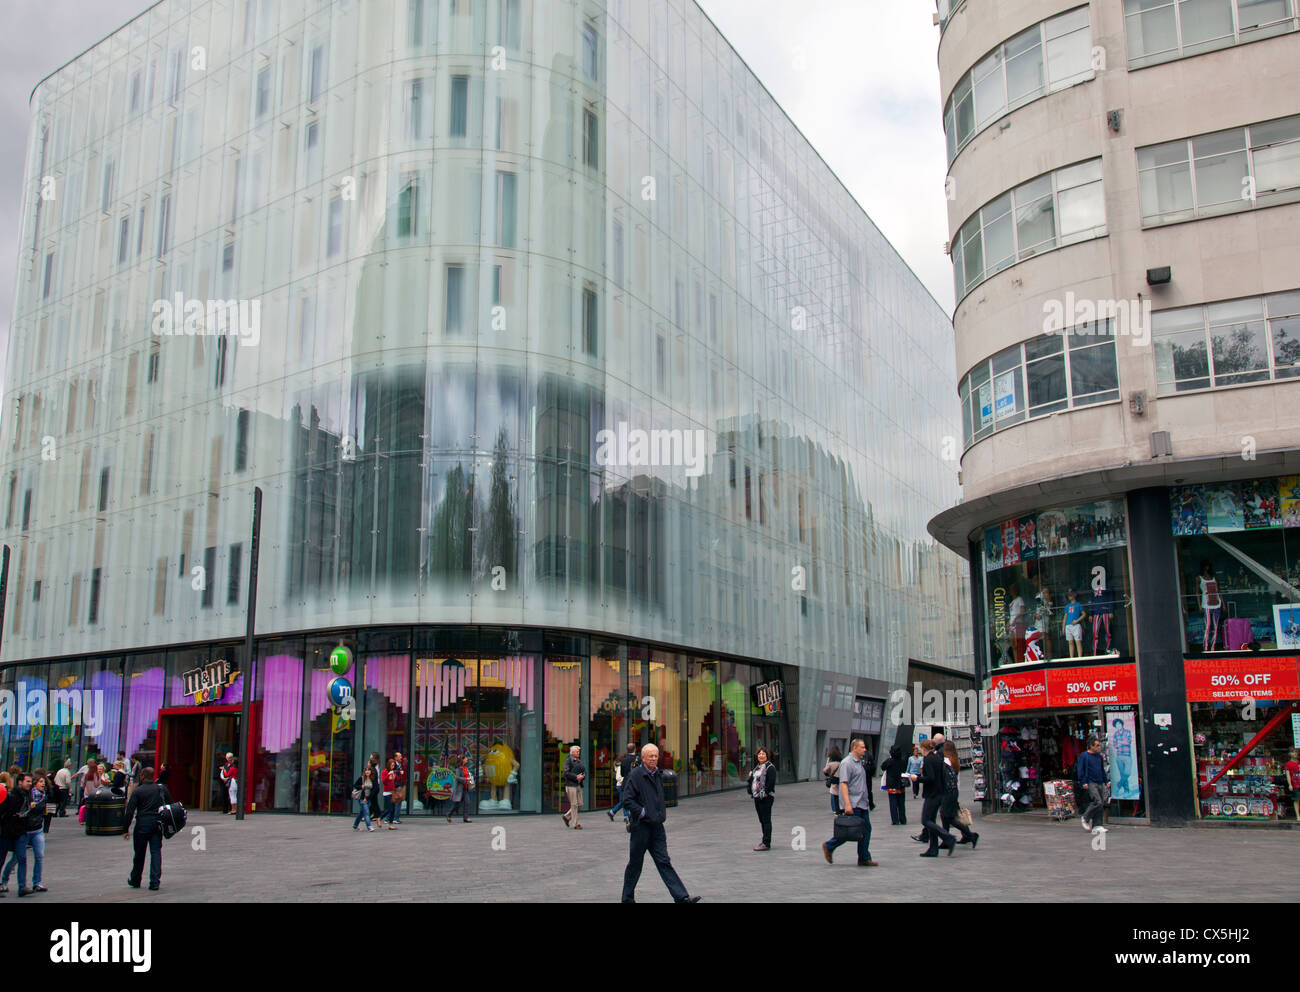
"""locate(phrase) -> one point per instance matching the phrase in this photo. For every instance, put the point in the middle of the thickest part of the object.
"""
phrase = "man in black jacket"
(20, 819)
(643, 797)
(146, 800)
(933, 792)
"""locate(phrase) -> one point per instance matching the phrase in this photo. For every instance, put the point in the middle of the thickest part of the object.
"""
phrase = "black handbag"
(850, 828)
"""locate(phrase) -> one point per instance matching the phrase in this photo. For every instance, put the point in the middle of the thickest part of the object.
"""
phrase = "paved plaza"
(282, 858)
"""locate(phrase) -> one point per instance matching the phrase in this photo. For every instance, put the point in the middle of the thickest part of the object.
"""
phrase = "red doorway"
(192, 743)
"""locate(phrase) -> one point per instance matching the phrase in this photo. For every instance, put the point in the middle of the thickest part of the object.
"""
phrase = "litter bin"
(105, 816)
(670, 787)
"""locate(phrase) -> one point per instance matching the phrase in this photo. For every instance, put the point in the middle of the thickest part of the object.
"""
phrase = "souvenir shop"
(1245, 719)
(1046, 719)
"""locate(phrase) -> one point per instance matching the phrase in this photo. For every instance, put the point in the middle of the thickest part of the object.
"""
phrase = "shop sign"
(208, 683)
(1295, 729)
(1217, 680)
(1092, 686)
(1018, 691)
(769, 696)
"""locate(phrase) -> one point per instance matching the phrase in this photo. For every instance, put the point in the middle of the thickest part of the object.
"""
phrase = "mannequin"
(501, 770)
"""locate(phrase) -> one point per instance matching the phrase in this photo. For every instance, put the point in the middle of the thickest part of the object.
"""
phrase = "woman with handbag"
(363, 790)
(462, 786)
(762, 786)
(386, 781)
(832, 774)
(954, 814)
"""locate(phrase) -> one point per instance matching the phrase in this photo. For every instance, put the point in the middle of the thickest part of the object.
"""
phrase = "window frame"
(1238, 36)
(1275, 372)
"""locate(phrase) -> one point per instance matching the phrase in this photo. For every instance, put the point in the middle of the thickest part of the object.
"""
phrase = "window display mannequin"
(1018, 620)
(500, 771)
(1043, 618)
(1101, 609)
(1211, 604)
(1074, 613)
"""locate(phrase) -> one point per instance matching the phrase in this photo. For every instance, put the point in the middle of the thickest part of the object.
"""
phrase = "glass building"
(583, 399)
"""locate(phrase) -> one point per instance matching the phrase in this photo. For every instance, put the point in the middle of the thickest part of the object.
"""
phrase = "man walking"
(934, 791)
(574, 772)
(63, 782)
(623, 770)
(146, 800)
(1092, 778)
(643, 795)
(855, 791)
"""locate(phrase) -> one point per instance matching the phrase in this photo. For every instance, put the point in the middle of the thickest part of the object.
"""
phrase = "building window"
(27, 509)
(617, 253)
(1162, 30)
(1218, 173)
(36, 591)
(590, 138)
(263, 91)
(590, 337)
(590, 51)
(414, 109)
(1044, 375)
(1047, 57)
(415, 23)
(453, 309)
(241, 440)
(48, 281)
(103, 490)
(408, 207)
(233, 575)
(139, 234)
(209, 576)
(1051, 211)
(146, 475)
(459, 106)
(1227, 344)
(93, 615)
(123, 240)
(164, 225)
(228, 257)
(335, 237)
(316, 74)
(511, 25)
(219, 378)
(110, 171)
(160, 587)
(155, 356)
(507, 208)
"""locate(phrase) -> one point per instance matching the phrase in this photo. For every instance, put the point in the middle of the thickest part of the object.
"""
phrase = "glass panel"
(1151, 28)
(1093, 370)
(104, 676)
(1286, 346)
(382, 708)
(1240, 352)
(1082, 212)
(1220, 183)
(964, 102)
(1041, 347)
(1182, 359)
(1276, 155)
(445, 728)
(507, 749)
(1078, 175)
(1069, 54)
(144, 698)
(703, 739)
(1251, 14)
(999, 237)
(1046, 382)
(63, 734)
(1035, 216)
(1025, 78)
(736, 681)
(562, 723)
(990, 89)
(972, 248)
(277, 757)
(332, 765)
(665, 691)
(1205, 24)
(607, 722)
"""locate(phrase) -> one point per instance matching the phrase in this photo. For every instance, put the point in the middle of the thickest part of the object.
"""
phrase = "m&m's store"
(310, 710)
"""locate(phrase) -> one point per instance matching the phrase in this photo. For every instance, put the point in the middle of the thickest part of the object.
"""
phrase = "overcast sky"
(858, 77)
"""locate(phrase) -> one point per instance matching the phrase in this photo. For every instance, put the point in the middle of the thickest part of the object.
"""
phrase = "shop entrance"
(193, 743)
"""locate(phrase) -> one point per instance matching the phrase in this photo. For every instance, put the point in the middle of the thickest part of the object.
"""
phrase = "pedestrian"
(63, 783)
(894, 788)
(146, 799)
(399, 786)
(621, 772)
(9, 804)
(230, 778)
(25, 829)
(387, 812)
(762, 786)
(133, 775)
(50, 795)
(462, 785)
(869, 763)
(363, 790)
(573, 774)
(1091, 774)
(932, 793)
(951, 806)
(643, 795)
(914, 770)
(831, 772)
(119, 778)
(855, 791)
(164, 773)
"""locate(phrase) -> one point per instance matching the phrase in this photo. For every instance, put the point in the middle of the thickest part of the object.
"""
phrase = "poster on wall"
(1223, 508)
(1028, 538)
(986, 404)
(1288, 492)
(1187, 509)
(993, 549)
(1259, 504)
(1120, 744)
(1004, 389)
(1086, 527)
(1010, 543)
(1286, 622)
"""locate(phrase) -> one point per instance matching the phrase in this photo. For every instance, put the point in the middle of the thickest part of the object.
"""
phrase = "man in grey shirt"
(855, 797)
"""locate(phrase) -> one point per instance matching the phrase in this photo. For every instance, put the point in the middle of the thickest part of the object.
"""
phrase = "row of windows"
(1220, 173)
(1051, 211)
(1227, 344)
(1057, 52)
(1042, 376)
(1049, 56)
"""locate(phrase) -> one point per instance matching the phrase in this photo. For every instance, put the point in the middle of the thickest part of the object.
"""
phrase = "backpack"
(172, 817)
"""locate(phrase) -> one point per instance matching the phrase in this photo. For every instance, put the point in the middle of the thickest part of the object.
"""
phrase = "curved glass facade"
(528, 314)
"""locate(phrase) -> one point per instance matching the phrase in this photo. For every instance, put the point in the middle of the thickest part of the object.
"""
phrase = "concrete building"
(1123, 201)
